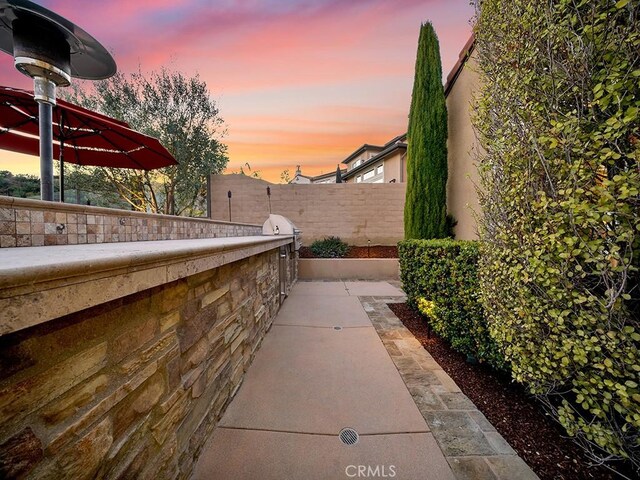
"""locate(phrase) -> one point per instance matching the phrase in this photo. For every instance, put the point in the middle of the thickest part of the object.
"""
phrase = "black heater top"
(44, 44)
(51, 50)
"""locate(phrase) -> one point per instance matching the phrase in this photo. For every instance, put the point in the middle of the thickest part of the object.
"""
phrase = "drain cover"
(337, 328)
(349, 436)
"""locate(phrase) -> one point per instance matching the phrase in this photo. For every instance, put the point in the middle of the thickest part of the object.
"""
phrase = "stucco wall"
(349, 269)
(462, 199)
(395, 167)
(354, 212)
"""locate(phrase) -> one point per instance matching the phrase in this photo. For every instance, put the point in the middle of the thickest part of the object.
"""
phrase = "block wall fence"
(354, 212)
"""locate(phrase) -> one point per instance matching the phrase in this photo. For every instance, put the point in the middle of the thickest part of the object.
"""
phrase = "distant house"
(378, 163)
(328, 177)
(299, 178)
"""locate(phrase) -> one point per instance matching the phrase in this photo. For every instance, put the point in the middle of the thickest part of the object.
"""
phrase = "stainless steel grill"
(279, 225)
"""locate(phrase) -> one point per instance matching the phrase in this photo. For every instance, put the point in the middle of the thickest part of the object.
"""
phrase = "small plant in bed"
(329, 247)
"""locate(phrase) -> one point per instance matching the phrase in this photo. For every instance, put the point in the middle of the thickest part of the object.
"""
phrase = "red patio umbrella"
(80, 136)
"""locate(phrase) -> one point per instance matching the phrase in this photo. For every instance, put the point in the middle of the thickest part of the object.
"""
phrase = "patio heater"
(51, 50)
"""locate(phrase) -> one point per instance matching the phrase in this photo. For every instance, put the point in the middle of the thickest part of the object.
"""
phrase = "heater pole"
(46, 151)
(44, 92)
(62, 171)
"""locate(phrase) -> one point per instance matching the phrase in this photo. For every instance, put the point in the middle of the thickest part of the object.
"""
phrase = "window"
(369, 174)
(356, 163)
(359, 179)
(379, 169)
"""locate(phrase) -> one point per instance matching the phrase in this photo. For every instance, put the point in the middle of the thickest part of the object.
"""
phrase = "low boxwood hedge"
(440, 278)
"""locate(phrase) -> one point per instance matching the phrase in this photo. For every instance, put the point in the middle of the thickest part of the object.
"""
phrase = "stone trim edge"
(30, 296)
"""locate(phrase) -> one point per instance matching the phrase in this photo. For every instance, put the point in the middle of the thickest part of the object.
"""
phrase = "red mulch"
(374, 251)
(516, 415)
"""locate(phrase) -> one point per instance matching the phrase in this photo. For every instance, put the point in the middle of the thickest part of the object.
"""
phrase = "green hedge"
(440, 278)
(558, 117)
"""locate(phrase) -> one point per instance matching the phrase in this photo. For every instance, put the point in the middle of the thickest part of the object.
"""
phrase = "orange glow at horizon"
(297, 82)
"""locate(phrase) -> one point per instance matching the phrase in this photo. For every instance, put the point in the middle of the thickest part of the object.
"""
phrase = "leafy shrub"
(440, 278)
(330, 247)
(558, 117)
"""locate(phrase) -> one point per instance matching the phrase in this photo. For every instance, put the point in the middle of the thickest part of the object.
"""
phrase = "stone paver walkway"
(321, 368)
(470, 443)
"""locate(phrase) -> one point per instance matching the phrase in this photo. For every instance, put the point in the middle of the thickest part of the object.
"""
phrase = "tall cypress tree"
(425, 210)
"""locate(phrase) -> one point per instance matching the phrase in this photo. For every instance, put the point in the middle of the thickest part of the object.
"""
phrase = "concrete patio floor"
(321, 368)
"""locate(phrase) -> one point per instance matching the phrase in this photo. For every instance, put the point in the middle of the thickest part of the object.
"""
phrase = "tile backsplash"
(32, 223)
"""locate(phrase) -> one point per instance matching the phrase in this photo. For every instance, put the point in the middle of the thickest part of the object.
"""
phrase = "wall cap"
(38, 284)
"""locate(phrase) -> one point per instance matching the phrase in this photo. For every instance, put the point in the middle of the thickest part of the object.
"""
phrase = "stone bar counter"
(118, 359)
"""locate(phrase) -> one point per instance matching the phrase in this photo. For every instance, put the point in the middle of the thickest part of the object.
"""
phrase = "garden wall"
(32, 223)
(354, 212)
(118, 363)
(463, 148)
(348, 269)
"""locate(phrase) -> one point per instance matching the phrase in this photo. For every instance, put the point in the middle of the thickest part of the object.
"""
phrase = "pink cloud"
(298, 81)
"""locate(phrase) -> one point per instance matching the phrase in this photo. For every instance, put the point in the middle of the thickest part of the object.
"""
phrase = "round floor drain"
(337, 328)
(349, 436)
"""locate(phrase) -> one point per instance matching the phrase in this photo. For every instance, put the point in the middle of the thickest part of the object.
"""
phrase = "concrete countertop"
(38, 284)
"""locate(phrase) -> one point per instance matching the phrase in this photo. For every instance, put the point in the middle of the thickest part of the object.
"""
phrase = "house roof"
(299, 175)
(459, 65)
(329, 175)
(392, 148)
(400, 140)
(361, 150)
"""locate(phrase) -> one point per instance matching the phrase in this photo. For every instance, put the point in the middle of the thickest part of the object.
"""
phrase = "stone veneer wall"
(33, 223)
(355, 212)
(133, 387)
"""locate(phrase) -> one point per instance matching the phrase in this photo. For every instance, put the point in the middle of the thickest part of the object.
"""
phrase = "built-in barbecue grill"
(288, 265)
(279, 225)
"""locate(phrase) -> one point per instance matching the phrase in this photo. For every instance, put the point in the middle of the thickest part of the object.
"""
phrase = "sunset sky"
(297, 81)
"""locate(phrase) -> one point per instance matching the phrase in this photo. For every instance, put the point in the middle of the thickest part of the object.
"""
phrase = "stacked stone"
(132, 388)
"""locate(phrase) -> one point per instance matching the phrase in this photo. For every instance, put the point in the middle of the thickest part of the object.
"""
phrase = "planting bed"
(375, 251)
(516, 415)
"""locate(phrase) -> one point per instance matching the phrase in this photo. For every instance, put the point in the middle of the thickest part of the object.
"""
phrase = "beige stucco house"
(462, 143)
(299, 178)
(378, 163)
